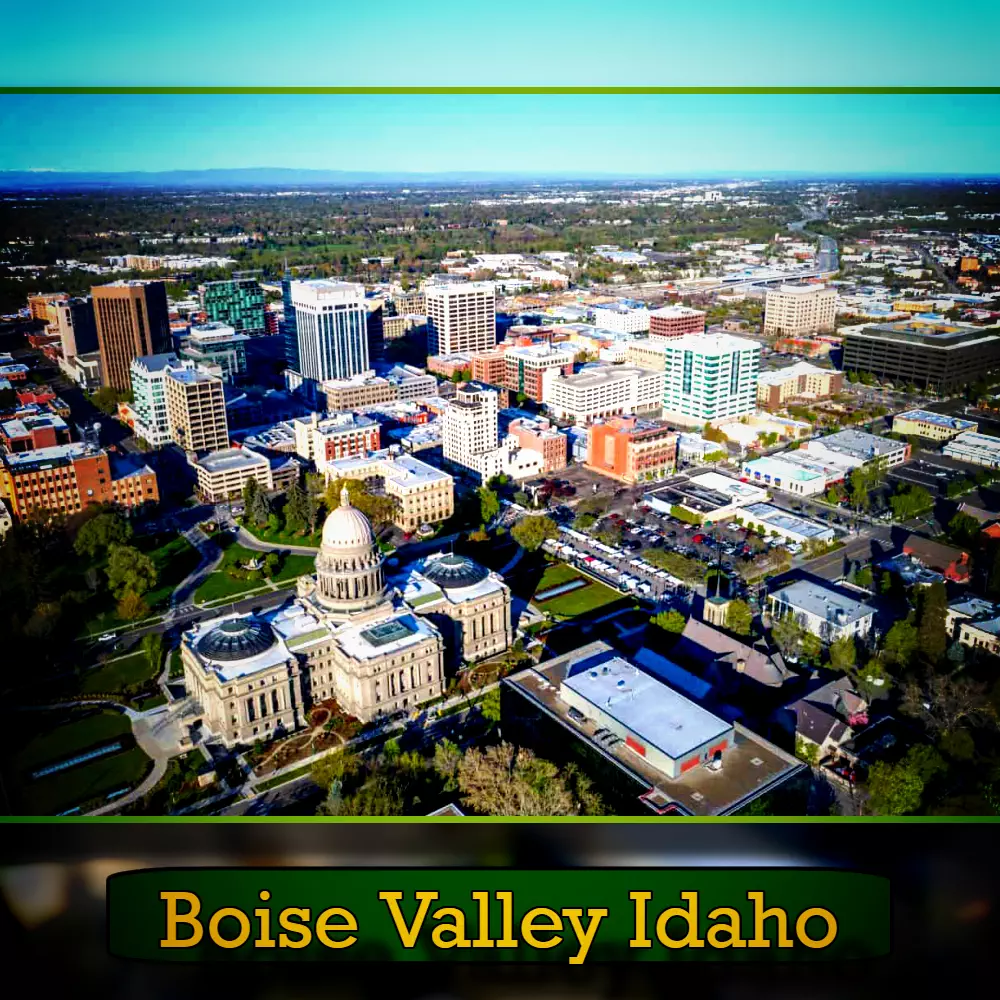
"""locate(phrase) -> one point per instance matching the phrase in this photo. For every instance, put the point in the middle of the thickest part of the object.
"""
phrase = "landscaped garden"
(177, 789)
(57, 740)
(244, 570)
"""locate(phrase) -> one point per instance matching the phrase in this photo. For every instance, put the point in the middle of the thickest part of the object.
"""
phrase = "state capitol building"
(375, 646)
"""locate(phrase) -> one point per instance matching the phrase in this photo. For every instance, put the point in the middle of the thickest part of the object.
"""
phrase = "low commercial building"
(67, 478)
(221, 475)
(694, 448)
(824, 612)
(934, 426)
(411, 383)
(799, 381)
(795, 472)
(620, 318)
(645, 746)
(367, 389)
(861, 447)
(424, 494)
(705, 498)
(342, 435)
(929, 355)
(603, 392)
(632, 450)
(675, 321)
(771, 521)
(43, 430)
(541, 436)
(448, 365)
(975, 448)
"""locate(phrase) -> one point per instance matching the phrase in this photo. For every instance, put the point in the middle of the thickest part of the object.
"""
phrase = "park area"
(174, 559)
(564, 592)
(234, 577)
(86, 755)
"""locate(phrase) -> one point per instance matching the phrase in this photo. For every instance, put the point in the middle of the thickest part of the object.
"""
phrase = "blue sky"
(575, 135)
(539, 42)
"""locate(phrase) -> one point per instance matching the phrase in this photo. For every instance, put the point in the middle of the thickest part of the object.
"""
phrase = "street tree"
(739, 617)
(489, 504)
(843, 653)
(98, 534)
(129, 570)
(532, 531)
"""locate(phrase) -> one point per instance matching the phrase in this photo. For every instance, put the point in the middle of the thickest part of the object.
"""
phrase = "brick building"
(632, 450)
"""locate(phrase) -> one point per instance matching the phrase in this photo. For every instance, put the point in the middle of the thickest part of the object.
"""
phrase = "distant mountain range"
(283, 177)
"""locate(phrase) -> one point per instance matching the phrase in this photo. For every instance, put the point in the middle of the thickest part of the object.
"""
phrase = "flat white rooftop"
(370, 640)
(659, 715)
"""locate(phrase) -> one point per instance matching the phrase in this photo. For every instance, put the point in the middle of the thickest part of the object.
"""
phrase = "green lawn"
(176, 665)
(283, 537)
(53, 736)
(116, 675)
(295, 566)
(219, 585)
(575, 602)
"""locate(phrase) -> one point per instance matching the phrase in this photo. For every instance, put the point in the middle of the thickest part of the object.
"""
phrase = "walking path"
(211, 556)
(251, 541)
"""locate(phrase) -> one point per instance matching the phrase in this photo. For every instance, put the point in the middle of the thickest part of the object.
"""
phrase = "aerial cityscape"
(496, 496)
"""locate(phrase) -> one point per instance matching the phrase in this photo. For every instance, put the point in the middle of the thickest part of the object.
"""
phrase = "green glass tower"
(238, 303)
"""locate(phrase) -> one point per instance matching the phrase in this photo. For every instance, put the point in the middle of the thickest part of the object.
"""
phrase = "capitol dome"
(451, 572)
(346, 527)
(237, 639)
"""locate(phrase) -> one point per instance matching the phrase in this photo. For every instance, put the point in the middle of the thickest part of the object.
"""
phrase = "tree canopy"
(532, 531)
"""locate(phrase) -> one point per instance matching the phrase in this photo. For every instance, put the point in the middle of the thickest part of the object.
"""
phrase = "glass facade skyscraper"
(238, 303)
(288, 328)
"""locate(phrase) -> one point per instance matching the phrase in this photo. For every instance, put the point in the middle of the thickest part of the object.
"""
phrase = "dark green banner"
(572, 916)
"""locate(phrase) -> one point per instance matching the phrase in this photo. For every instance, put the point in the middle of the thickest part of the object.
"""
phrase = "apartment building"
(602, 392)
(196, 410)
(525, 367)
(132, 321)
(710, 378)
(799, 310)
(801, 380)
(67, 478)
(342, 435)
(675, 321)
(423, 493)
(331, 324)
(632, 450)
(540, 435)
(148, 376)
(826, 613)
(461, 317)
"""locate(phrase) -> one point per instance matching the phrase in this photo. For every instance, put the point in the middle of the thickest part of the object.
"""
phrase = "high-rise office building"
(471, 426)
(331, 324)
(799, 310)
(461, 317)
(288, 330)
(709, 377)
(238, 303)
(132, 320)
(196, 410)
(216, 345)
